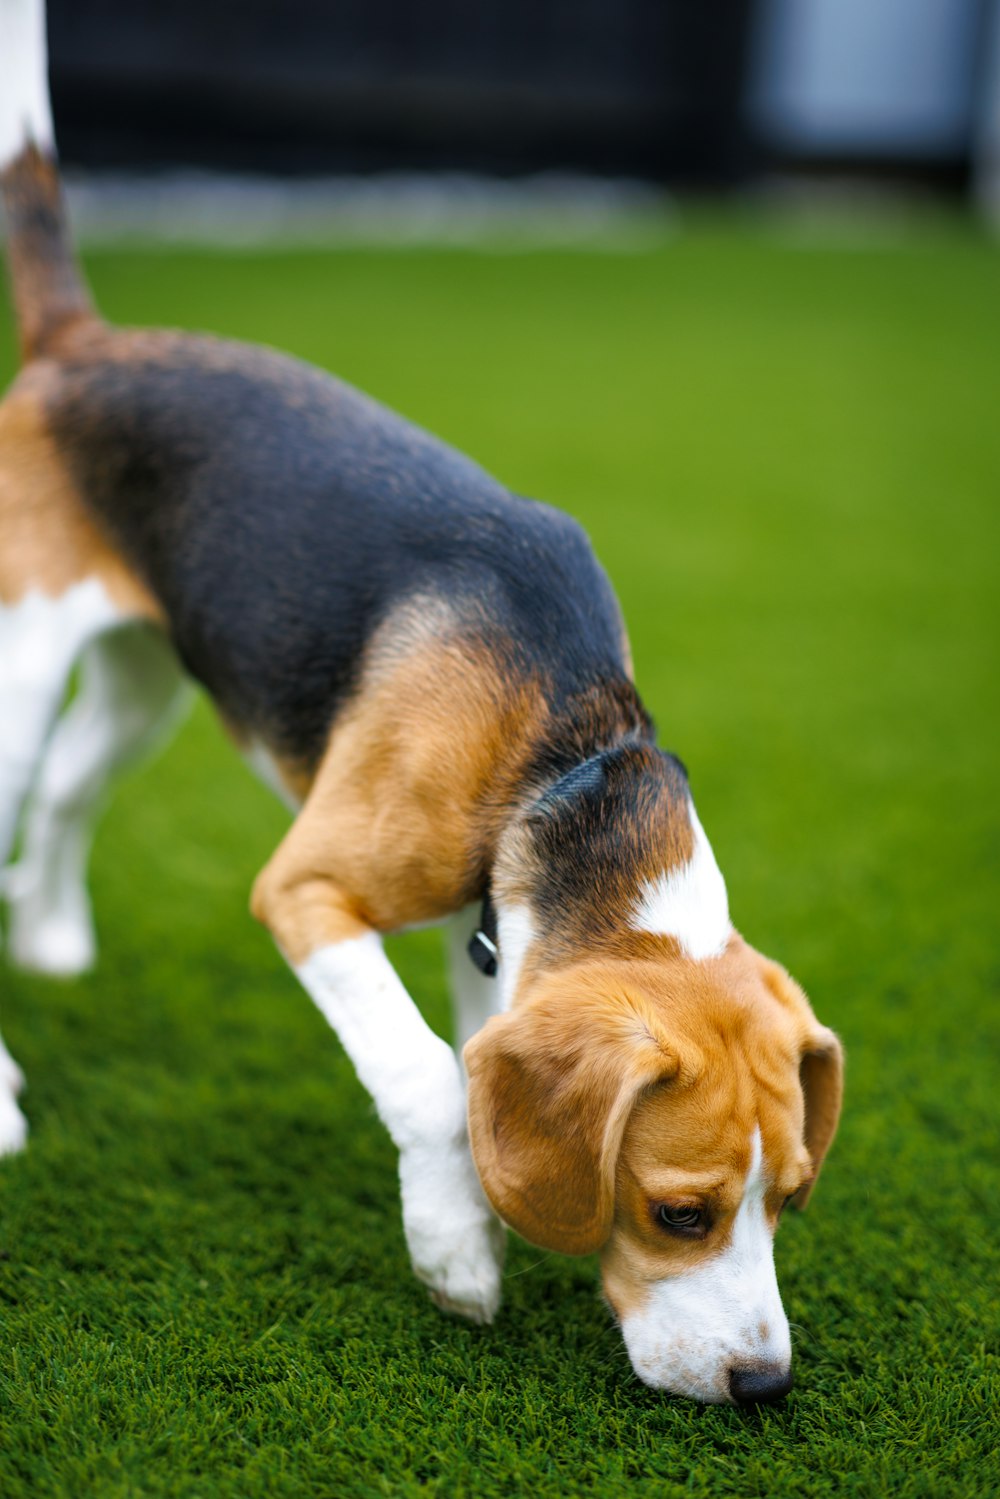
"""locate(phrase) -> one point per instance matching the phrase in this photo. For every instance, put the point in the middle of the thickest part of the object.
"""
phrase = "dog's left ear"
(551, 1089)
(821, 1072)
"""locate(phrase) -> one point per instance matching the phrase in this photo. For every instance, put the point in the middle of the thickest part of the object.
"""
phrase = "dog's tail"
(48, 288)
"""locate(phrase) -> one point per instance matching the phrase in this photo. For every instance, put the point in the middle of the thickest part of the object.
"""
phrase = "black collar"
(483, 949)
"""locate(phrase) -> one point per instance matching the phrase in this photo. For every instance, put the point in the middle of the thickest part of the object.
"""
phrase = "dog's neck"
(576, 862)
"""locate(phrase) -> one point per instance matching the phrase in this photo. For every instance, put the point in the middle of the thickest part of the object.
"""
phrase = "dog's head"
(663, 1111)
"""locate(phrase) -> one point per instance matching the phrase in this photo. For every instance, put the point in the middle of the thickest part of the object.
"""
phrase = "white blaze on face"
(698, 1325)
(688, 903)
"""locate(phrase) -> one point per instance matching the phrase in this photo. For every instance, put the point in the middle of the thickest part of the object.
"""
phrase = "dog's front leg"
(455, 1241)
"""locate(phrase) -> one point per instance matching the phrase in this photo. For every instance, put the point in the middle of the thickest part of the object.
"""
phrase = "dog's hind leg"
(13, 1125)
(62, 586)
(129, 696)
(41, 637)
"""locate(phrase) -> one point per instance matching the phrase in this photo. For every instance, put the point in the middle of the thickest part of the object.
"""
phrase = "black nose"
(759, 1384)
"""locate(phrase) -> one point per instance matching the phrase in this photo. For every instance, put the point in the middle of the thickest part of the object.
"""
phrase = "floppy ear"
(821, 1071)
(822, 1074)
(551, 1087)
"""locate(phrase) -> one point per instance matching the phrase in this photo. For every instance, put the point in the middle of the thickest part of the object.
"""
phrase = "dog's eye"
(684, 1219)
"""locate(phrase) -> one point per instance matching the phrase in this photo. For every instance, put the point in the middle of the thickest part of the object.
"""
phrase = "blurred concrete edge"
(392, 210)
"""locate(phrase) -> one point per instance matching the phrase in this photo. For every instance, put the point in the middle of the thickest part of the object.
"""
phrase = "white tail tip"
(25, 111)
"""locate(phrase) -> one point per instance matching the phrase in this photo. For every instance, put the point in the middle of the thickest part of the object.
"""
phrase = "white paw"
(11, 1076)
(455, 1239)
(51, 931)
(58, 944)
(13, 1125)
(58, 948)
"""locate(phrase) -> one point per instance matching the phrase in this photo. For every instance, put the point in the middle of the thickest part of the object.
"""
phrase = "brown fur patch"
(403, 815)
(48, 541)
(821, 1072)
(49, 294)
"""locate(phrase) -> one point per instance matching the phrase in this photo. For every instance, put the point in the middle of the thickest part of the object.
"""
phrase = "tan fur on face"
(616, 1085)
(690, 1147)
(551, 1088)
(48, 541)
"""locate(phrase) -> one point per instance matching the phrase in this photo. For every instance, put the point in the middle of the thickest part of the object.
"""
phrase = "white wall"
(866, 77)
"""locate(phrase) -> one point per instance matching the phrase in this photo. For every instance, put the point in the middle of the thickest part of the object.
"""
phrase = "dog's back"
(275, 515)
(279, 516)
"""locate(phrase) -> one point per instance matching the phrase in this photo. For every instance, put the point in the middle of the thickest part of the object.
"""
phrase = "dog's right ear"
(551, 1088)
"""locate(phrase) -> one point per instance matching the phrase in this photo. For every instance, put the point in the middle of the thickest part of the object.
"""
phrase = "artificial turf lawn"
(788, 457)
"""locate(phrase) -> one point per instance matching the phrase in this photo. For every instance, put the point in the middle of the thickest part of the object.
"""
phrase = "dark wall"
(650, 87)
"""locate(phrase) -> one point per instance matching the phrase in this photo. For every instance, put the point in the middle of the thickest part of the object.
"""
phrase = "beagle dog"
(435, 675)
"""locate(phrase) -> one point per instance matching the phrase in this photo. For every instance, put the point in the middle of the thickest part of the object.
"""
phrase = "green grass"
(789, 459)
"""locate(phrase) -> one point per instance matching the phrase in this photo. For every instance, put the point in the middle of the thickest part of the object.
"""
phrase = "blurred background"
(737, 95)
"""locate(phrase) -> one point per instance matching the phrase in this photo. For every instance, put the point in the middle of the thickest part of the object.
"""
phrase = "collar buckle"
(483, 949)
